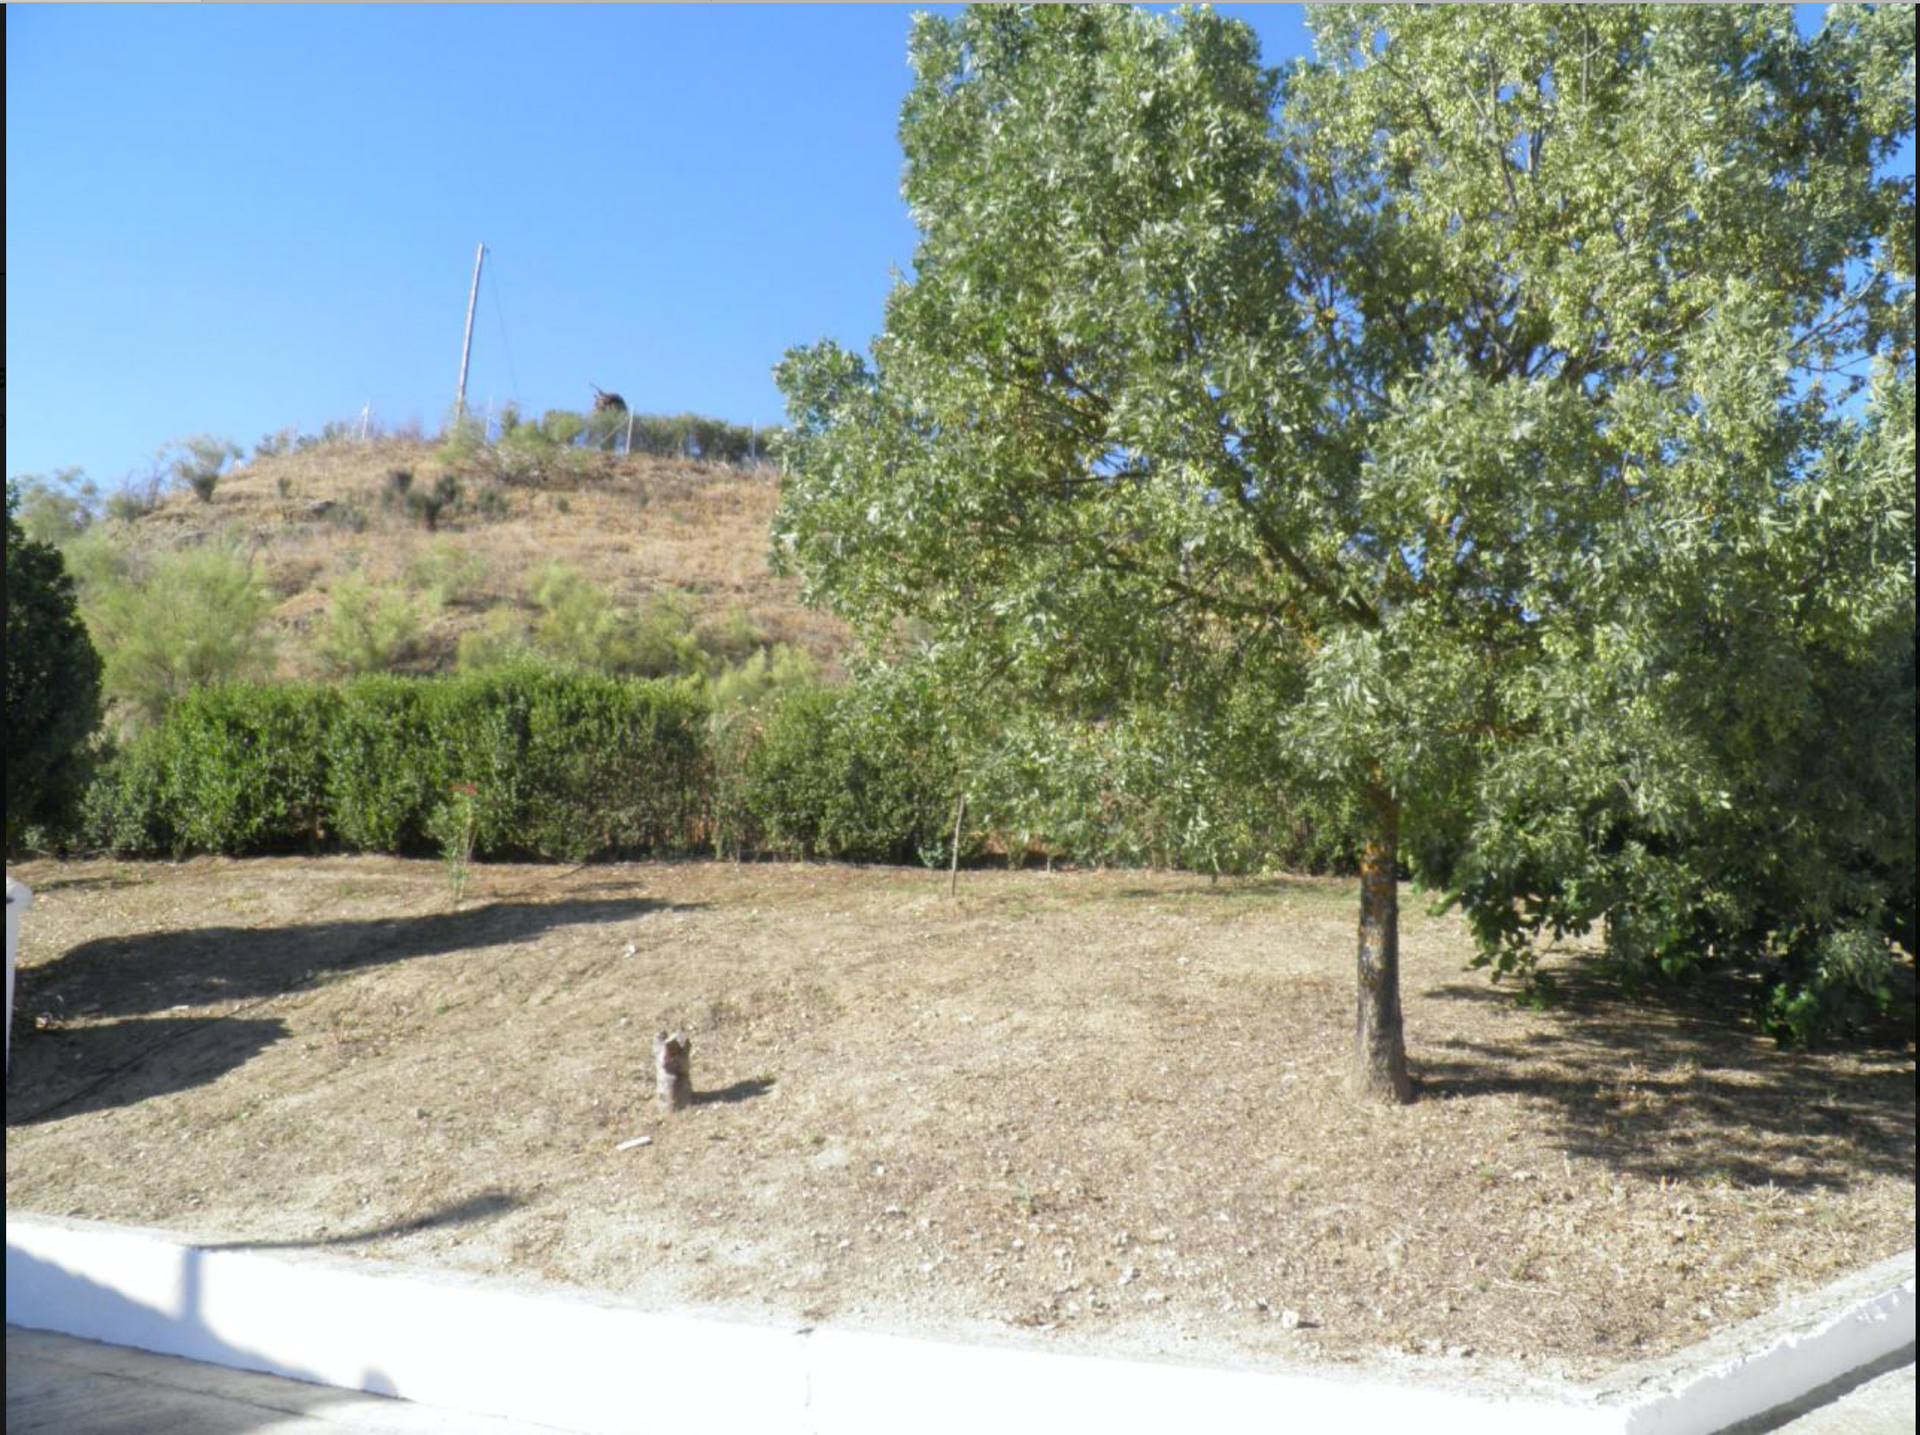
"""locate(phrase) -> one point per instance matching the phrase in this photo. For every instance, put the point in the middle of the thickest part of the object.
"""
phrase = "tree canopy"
(1519, 400)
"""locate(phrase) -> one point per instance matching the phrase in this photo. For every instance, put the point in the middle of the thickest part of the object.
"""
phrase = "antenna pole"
(466, 343)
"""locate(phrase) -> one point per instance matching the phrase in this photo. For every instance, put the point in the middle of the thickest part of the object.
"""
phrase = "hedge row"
(561, 765)
(571, 765)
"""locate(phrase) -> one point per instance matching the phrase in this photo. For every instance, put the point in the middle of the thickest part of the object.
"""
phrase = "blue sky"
(229, 219)
(232, 219)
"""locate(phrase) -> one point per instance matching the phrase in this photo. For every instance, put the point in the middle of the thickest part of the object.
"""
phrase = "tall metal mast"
(466, 343)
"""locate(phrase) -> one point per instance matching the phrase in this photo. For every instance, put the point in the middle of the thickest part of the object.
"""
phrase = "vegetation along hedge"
(565, 764)
(562, 765)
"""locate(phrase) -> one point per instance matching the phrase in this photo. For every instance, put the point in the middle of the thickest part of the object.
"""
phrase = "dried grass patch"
(1106, 1106)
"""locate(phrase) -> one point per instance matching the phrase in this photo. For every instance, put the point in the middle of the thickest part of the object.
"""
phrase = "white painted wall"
(596, 1364)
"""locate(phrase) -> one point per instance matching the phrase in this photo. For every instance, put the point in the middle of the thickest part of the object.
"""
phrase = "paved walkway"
(60, 1386)
(1882, 1406)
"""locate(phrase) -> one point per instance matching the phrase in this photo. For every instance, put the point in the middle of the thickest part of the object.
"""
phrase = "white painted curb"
(19, 898)
(1774, 1359)
(597, 1364)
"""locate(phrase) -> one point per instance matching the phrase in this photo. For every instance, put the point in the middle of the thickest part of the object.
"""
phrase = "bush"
(859, 774)
(570, 764)
(198, 618)
(135, 498)
(524, 454)
(53, 683)
(562, 426)
(277, 443)
(491, 503)
(236, 769)
(368, 630)
(732, 638)
(581, 626)
(604, 429)
(561, 765)
(96, 563)
(696, 436)
(196, 462)
(445, 574)
(763, 677)
(429, 505)
(500, 640)
(54, 509)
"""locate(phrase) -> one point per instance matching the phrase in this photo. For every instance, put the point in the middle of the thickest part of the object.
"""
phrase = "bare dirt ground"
(1105, 1107)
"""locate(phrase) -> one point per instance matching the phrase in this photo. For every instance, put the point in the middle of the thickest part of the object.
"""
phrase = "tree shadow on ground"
(110, 1062)
(214, 965)
(483, 1207)
(96, 882)
(1678, 1083)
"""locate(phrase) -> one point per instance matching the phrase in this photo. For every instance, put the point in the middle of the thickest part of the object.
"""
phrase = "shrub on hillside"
(434, 502)
(368, 629)
(198, 617)
(196, 463)
(731, 638)
(54, 508)
(581, 626)
(501, 639)
(53, 683)
(136, 497)
(443, 573)
(697, 436)
(524, 454)
(562, 426)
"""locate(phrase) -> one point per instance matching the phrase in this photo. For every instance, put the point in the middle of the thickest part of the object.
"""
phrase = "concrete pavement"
(1881, 1406)
(57, 1385)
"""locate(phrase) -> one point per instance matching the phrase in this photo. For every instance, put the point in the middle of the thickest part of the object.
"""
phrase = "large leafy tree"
(1515, 397)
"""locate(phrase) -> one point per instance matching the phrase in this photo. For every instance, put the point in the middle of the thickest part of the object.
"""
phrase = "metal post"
(466, 343)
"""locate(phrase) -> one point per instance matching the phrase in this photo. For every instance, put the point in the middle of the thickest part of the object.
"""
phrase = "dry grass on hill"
(639, 527)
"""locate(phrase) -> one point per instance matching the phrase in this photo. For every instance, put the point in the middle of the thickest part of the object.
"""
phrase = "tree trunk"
(1380, 1051)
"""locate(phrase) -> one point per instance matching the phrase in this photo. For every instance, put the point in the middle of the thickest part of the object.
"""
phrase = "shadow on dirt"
(123, 1062)
(739, 1091)
(98, 882)
(483, 1207)
(1679, 1083)
(213, 965)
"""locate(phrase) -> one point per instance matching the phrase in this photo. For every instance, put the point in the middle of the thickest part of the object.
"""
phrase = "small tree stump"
(673, 1070)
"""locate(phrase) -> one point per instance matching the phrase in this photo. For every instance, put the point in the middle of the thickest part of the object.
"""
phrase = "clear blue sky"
(229, 219)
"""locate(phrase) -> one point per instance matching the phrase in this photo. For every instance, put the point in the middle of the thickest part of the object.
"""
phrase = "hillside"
(640, 528)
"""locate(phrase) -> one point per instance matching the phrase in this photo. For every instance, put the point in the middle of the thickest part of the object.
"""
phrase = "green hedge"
(563, 765)
(570, 765)
(859, 774)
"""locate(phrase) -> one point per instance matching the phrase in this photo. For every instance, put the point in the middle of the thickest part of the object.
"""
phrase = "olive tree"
(1447, 390)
